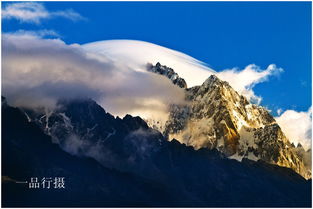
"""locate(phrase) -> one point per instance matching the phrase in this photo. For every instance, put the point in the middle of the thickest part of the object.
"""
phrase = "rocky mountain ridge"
(218, 117)
(102, 162)
(167, 72)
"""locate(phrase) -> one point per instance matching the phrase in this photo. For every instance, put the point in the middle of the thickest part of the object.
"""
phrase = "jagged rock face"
(218, 117)
(83, 128)
(274, 147)
(176, 176)
(168, 72)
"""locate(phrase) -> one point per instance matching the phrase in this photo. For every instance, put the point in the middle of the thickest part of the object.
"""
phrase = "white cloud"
(68, 14)
(33, 12)
(136, 54)
(34, 33)
(37, 72)
(297, 126)
(243, 81)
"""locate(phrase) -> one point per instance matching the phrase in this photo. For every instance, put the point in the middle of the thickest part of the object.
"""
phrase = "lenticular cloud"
(136, 54)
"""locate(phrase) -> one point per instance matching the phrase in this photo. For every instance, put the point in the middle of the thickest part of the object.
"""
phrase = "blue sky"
(221, 34)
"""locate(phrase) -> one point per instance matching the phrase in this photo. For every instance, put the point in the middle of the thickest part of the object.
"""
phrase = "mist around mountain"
(199, 145)
(129, 123)
(109, 161)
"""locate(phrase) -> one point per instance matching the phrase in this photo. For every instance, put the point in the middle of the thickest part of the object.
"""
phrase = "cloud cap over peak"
(136, 54)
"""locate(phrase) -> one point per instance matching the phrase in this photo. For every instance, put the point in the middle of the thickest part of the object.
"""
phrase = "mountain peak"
(168, 72)
(215, 81)
(219, 117)
(213, 78)
(135, 122)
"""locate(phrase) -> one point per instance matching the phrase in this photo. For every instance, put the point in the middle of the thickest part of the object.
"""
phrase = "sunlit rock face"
(216, 116)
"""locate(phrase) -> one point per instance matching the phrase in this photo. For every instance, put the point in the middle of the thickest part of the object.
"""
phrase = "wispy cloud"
(34, 33)
(68, 14)
(33, 12)
(244, 80)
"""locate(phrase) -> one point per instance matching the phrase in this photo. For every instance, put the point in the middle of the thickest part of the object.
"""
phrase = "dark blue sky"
(222, 34)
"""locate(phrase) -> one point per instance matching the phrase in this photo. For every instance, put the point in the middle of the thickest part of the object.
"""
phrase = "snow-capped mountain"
(113, 154)
(216, 116)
